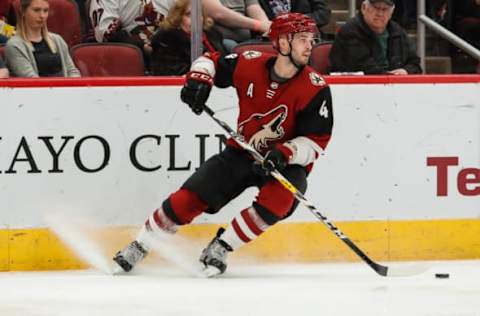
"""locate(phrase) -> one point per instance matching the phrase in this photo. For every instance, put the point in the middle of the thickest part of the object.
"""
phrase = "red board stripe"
(178, 81)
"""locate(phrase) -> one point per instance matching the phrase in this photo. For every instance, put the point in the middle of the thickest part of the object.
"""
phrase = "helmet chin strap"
(289, 55)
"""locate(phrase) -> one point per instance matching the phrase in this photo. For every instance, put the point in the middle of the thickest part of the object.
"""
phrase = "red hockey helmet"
(289, 24)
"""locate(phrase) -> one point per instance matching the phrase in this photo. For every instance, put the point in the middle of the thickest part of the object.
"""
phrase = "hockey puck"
(442, 275)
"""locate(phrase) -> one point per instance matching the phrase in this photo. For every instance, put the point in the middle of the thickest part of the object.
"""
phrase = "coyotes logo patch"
(316, 79)
(262, 128)
(251, 54)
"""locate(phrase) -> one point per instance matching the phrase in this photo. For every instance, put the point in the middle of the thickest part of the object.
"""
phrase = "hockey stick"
(378, 268)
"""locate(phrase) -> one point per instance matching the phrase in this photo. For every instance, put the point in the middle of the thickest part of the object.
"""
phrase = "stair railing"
(451, 37)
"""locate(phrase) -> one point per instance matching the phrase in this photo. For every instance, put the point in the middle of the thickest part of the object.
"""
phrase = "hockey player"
(129, 21)
(285, 114)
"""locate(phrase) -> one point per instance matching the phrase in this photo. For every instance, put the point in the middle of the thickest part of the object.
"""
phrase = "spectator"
(128, 21)
(35, 52)
(467, 20)
(316, 9)
(466, 24)
(406, 11)
(373, 44)
(236, 20)
(171, 43)
(3, 69)
(6, 30)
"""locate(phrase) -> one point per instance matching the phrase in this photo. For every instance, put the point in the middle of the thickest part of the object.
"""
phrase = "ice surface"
(74, 231)
(290, 289)
(174, 288)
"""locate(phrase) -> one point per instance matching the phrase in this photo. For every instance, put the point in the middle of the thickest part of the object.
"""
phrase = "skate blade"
(117, 270)
(211, 271)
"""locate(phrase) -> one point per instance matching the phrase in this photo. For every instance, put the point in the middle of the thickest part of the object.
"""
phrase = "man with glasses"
(373, 44)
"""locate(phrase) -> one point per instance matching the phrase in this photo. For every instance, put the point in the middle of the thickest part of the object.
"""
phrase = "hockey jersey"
(273, 112)
(140, 17)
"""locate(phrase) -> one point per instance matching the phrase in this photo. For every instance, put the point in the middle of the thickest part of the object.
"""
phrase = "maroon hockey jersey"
(273, 112)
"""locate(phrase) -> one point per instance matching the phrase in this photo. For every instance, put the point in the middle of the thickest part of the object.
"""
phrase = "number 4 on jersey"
(323, 110)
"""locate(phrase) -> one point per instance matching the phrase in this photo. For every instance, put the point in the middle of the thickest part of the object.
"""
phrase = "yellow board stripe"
(40, 249)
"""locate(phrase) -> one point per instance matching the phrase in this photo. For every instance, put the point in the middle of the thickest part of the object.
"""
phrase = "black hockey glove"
(276, 158)
(196, 90)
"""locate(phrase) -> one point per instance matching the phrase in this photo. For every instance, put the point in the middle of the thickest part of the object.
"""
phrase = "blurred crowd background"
(69, 38)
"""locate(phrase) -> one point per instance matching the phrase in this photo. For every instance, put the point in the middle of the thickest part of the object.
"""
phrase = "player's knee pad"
(183, 206)
(278, 200)
(278, 204)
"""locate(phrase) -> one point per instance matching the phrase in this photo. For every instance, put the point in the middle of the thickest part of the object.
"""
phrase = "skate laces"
(134, 252)
(216, 249)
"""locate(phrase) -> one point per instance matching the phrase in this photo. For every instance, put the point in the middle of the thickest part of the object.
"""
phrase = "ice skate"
(127, 258)
(157, 224)
(214, 256)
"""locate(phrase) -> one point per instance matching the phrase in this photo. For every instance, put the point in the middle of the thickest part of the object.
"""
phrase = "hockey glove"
(276, 158)
(196, 90)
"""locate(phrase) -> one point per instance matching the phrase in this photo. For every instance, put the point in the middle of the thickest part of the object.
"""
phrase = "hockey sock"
(245, 227)
(159, 221)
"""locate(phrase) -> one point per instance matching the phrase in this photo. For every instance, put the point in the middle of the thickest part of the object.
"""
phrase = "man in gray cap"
(373, 44)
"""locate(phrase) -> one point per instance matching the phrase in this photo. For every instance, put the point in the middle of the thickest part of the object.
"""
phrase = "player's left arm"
(314, 125)
(219, 67)
(204, 72)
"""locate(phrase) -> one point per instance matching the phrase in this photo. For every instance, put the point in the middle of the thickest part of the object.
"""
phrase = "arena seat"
(108, 59)
(319, 59)
(63, 19)
(265, 47)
